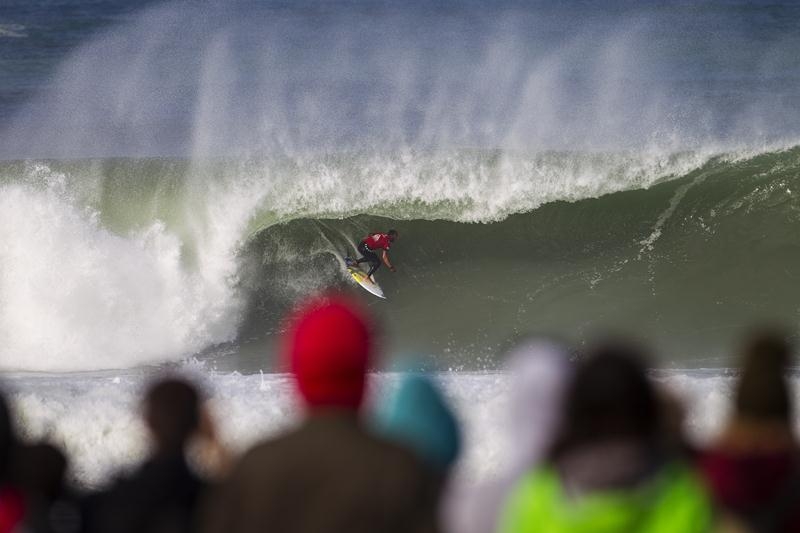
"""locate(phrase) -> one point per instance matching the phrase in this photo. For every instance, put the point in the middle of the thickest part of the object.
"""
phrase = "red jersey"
(377, 241)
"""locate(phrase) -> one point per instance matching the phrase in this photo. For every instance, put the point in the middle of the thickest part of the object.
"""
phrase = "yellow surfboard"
(361, 278)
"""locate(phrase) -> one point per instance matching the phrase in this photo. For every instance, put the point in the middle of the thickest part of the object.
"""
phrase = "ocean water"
(174, 176)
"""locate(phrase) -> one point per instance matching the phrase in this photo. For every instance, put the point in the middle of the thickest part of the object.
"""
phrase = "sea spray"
(240, 79)
(77, 296)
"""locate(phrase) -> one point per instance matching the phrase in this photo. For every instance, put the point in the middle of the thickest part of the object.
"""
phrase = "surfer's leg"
(369, 257)
(364, 251)
(375, 264)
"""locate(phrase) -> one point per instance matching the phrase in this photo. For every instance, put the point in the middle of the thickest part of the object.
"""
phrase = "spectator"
(329, 474)
(417, 416)
(608, 469)
(162, 495)
(538, 370)
(51, 506)
(12, 502)
(752, 468)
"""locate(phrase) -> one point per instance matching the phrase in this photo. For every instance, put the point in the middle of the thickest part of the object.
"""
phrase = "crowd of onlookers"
(598, 446)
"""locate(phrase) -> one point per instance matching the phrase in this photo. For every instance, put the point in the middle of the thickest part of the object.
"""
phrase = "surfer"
(373, 242)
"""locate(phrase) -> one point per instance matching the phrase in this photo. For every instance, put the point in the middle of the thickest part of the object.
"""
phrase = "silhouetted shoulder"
(328, 475)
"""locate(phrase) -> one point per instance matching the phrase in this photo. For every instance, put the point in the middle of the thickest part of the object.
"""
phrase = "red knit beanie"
(328, 348)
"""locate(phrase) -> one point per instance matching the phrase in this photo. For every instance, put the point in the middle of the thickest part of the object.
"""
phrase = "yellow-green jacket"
(673, 501)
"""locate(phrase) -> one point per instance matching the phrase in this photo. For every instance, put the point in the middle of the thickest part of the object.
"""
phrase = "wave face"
(123, 262)
(687, 263)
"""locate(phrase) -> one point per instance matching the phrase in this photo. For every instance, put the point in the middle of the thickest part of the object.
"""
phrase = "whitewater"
(174, 179)
(248, 408)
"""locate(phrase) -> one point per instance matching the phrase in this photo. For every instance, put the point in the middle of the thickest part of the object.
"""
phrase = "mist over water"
(244, 78)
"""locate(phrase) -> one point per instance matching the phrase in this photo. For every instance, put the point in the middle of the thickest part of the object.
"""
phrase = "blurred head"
(328, 347)
(539, 371)
(42, 470)
(172, 412)
(8, 438)
(762, 392)
(418, 417)
(609, 398)
(392, 233)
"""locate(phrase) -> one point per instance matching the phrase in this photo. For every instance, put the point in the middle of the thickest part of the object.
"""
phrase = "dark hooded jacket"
(160, 497)
(328, 475)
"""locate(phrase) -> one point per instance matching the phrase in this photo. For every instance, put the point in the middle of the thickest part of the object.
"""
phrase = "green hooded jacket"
(673, 501)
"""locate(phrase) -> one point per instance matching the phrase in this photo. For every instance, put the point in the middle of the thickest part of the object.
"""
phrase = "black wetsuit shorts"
(370, 256)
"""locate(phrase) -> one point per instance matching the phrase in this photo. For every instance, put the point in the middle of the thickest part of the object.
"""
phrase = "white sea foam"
(94, 417)
(75, 296)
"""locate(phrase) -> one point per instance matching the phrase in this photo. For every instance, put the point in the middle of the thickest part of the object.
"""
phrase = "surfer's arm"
(386, 261)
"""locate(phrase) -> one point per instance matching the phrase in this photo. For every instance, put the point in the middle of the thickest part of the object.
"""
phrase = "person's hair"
(41, 469)
(172, 411)
(609, 397)
(8, 439)
(392, 233)
(762, 391)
